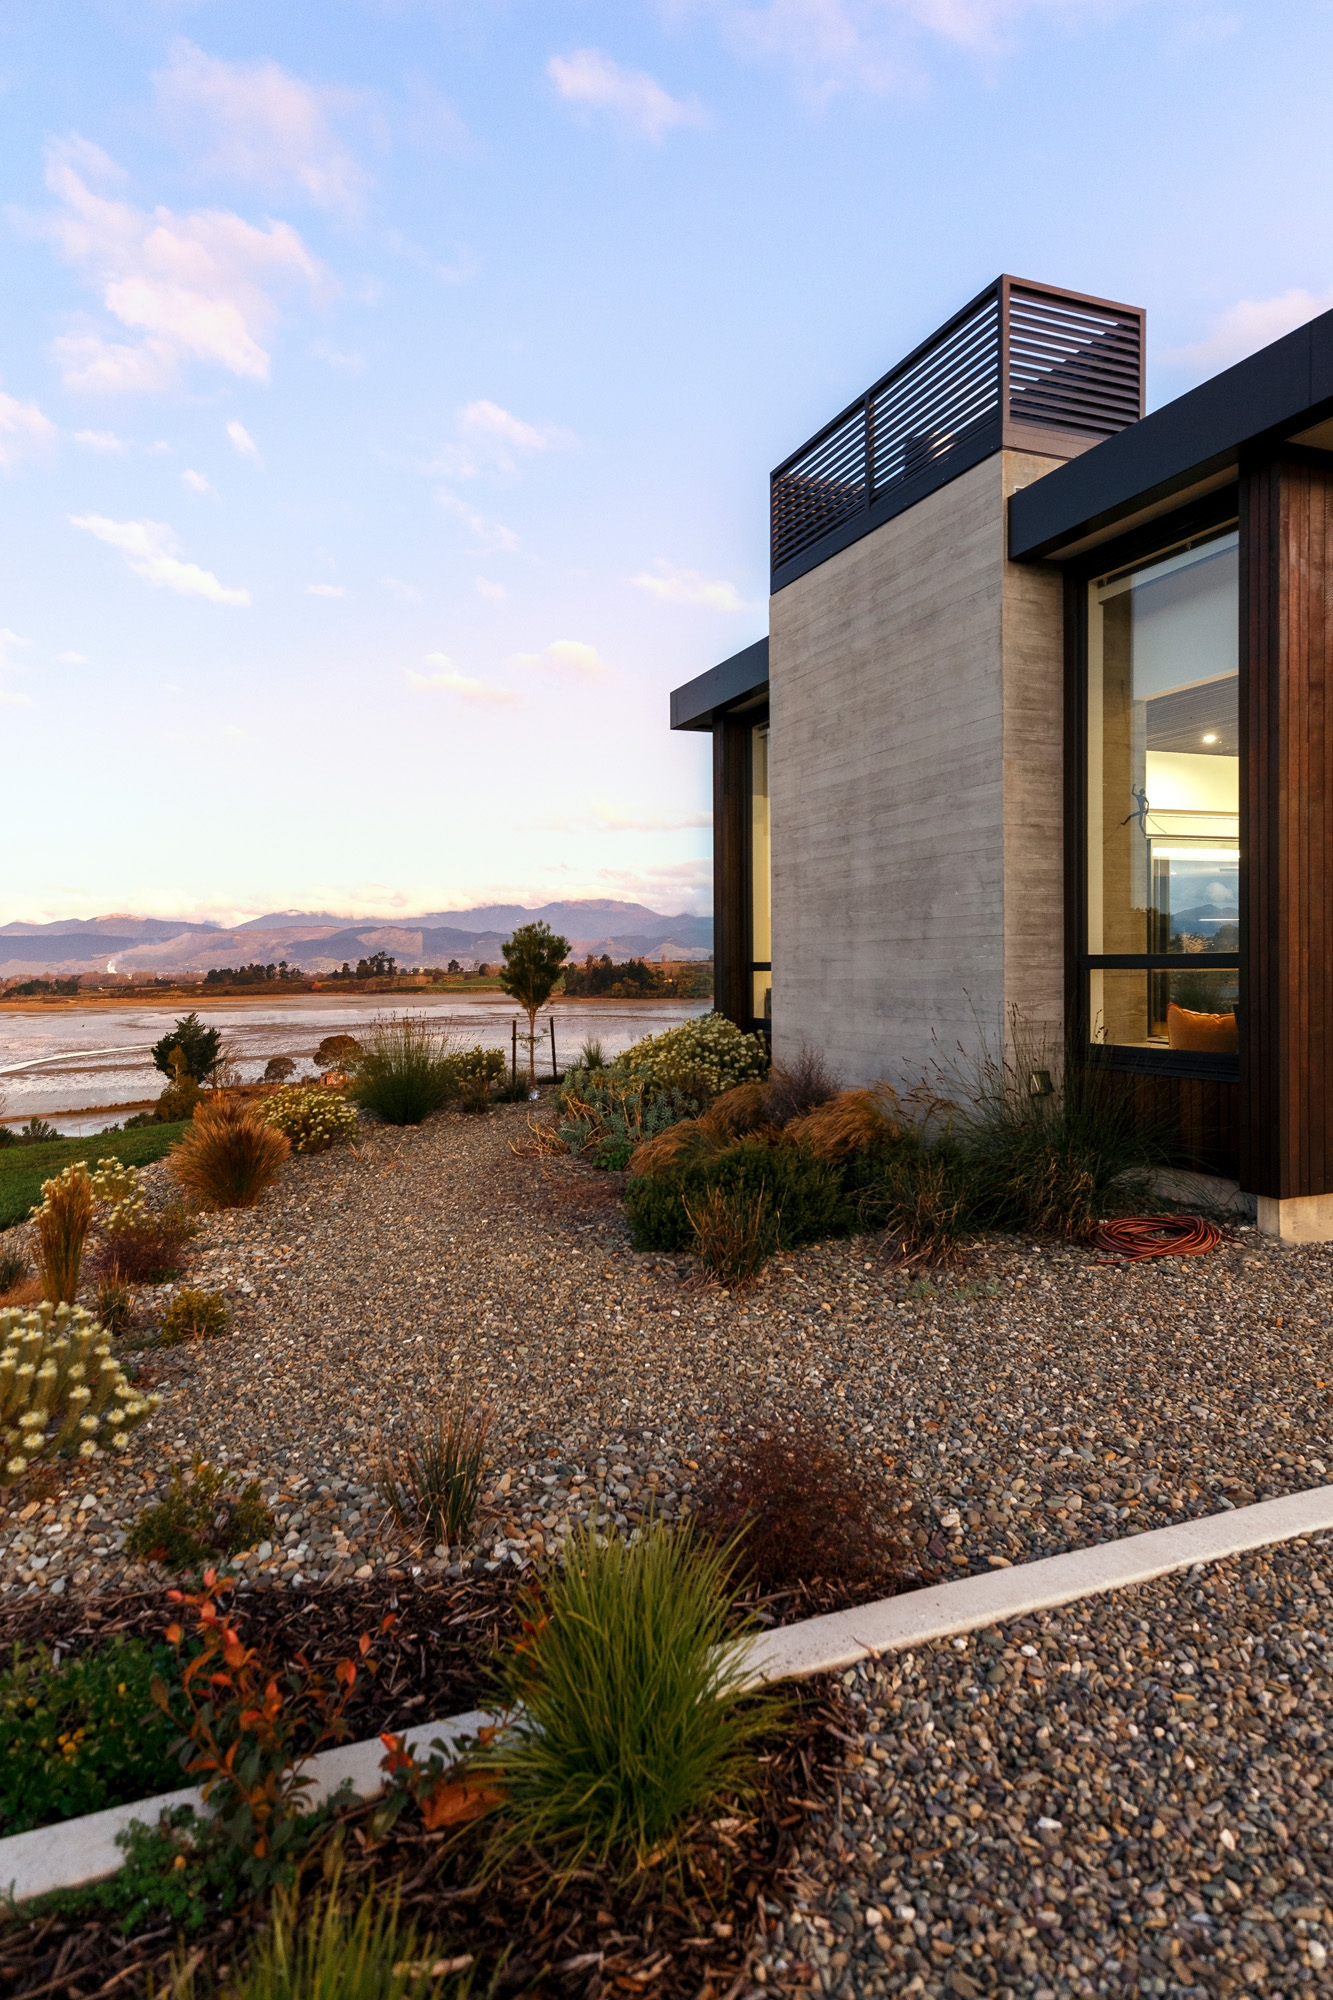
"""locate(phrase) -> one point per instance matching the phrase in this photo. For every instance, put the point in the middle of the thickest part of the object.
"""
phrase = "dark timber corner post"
(1286, 841)
(732, 976)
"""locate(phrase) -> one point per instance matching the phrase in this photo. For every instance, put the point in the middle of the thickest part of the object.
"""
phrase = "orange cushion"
(1216, 1033)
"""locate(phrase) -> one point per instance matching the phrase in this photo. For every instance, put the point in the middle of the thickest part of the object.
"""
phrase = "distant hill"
(320, 941)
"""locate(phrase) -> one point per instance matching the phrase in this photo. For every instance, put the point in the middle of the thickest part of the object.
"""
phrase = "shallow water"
(58, 1064)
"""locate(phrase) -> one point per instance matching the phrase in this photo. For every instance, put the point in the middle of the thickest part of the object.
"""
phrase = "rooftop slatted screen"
(1018, 356)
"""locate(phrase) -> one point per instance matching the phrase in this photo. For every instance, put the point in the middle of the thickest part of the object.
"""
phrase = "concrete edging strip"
(894, 1624)
(78, 1851)
(75, 1852)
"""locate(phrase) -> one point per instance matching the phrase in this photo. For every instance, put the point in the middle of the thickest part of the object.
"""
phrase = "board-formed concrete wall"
(916, 768)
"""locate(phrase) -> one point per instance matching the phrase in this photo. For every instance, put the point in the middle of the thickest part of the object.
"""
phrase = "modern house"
(1043, 726)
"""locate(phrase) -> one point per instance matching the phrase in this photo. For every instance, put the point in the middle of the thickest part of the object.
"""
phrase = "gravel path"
(1131, 1795)
(1033, 1401)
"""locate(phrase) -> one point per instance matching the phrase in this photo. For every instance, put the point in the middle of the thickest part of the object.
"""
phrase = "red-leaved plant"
(251, 1728)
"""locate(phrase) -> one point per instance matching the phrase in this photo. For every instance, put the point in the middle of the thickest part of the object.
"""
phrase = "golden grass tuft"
(847, 1123)
(659, 1154)
(229, 1156)
(740, 1110)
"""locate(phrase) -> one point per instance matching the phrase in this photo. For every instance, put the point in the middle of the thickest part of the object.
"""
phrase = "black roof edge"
(1284, 388)
(694, 705)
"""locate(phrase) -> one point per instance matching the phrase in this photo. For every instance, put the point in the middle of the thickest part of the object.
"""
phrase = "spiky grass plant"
(631, 1678)
(61, 1393)
(330, 1952)
(63, 1222)
(735, 1231)
(432, 1486)
(406, 1070)
(845, 1124)
(229, 1156)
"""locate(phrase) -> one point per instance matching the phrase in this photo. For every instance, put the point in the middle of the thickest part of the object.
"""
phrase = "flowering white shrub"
(711, 1049)
(475, 1070)
(119, 1193)
(61, 1392)
(313, 1118)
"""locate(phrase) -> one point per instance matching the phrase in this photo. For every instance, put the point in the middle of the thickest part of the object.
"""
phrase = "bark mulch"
(690, 1932)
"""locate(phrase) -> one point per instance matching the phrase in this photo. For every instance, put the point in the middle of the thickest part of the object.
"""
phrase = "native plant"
(312, 1117)
(193, 1315)
(13, 1270)
(710, 1050)
(61, 1393)
(406, 1070)
(533, 959)
(431, 1487)
(630, 1674)
(735, 1231)
(205, 1515)
(199, 1049)
(339, 1052)
(115, 1304)
(247, 1728)
(229, 1156)
(79, 1736)
(328, 1952)
(603, 1117)
(476, 1072)
(62, 1223)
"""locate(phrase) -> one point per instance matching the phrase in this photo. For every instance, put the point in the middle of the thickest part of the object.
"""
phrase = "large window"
(1163, 801)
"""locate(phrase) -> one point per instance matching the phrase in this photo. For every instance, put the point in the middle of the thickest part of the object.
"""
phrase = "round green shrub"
(805, 1195)
(312, 1117)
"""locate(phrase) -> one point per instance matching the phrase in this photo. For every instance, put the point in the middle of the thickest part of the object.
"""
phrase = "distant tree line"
(635, 979)
(250, 975)
(31, 989)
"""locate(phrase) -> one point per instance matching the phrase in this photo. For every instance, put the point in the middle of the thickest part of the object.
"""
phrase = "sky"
(388, 388)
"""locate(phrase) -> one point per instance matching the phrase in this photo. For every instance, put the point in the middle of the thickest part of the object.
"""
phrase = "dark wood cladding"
(732, 978)
(1286, 826)
(1190, 1121)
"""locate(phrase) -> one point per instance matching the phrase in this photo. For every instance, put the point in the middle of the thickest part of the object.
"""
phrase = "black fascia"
(745, 673)
(1285, 388)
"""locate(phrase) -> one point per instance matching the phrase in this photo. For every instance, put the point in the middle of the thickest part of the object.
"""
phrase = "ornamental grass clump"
(406, 1070)
(229, 1156)
(193, 1315)
(61, 1393)
(432, 1486)
(62, 1223)
(631, 1678)
(326, 1952)
(735, 1231)
(311, 1116)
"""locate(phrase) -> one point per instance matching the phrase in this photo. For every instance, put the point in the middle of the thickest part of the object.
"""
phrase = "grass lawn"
(23, 1168)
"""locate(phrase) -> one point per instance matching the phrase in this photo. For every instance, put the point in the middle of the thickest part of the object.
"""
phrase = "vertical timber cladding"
(1286, 908)
(732, 978)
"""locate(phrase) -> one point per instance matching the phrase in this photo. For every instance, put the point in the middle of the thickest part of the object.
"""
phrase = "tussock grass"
(63, 1222)
(632, 1686)
(229, 1156)
(844, 1125)
(329, 1952)
(433, 1485)
(405, 1070)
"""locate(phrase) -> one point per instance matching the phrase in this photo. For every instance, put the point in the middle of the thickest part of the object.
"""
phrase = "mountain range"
(321, 941)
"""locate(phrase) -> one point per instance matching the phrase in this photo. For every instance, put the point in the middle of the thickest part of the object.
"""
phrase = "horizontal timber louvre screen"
(1017, 360)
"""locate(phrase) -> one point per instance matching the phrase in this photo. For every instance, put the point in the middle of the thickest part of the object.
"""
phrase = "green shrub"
(734, 1232)
(114, 1304)
(312, 1117)
(61, 1393)
(77, 1737)
(804, 1196)
(925, 1198)
(475, 1071)
(603, 1116)
(633, 1693)
(203, 1516)
(193, 1315)
(512, 1090)
(711, 1050)
(406, 1070)
(37, 1132)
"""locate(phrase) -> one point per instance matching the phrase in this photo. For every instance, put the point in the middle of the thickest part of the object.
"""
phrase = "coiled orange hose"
(1136, 1236)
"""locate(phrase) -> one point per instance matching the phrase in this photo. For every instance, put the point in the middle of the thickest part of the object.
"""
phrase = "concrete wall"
(917, 772)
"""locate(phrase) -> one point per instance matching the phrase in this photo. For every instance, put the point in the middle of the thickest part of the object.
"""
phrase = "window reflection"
(1164, 794)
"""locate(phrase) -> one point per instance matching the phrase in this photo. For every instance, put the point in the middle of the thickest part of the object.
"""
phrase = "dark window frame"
(1213, 514)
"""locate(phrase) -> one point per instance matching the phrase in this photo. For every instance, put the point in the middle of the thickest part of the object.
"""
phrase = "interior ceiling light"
(1210, 739)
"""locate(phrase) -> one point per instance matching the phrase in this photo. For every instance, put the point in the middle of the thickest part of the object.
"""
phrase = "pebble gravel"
(1130, 1795)
(1034, 1400)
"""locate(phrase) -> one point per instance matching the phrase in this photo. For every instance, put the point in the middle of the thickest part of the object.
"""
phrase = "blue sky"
(388, 391)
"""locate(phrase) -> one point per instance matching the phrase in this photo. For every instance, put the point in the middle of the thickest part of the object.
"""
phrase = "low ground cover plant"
(193, 1315)
(311, 1116)
(229, 1156)
(628, 1674)
(432, 1486)
(62, 1393)
(206, 1515)
(84, 1734)
(405, 1071)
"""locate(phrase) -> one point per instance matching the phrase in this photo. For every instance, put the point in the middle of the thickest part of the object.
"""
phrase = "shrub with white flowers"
(475, 1070)
(61, 1392)
(710, 1049)
(118, 1190)
(313, 1117)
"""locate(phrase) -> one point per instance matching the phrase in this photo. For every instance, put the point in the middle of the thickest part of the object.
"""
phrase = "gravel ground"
(1130, 1795)
(1033, 1401)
